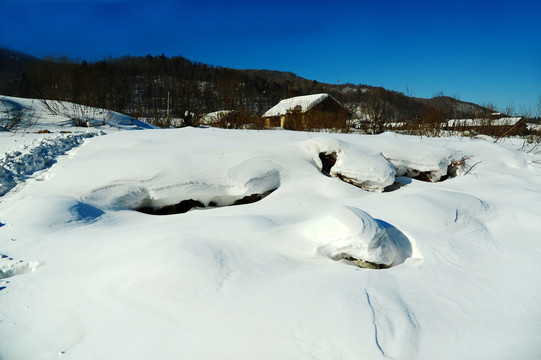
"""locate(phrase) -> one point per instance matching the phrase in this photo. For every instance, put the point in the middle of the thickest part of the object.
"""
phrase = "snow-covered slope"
(46, 130)
(265, 265)
(57, 116)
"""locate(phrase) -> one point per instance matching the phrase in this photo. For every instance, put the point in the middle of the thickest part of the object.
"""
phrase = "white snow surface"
(57, 115)
(17, 165)
(47, 135)
(84, 276)
(371, 170)
(306, 102)
(348, 231)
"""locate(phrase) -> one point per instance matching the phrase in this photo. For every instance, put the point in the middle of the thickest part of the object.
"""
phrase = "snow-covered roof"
(504, 121)
(214, 117)
(306, 102)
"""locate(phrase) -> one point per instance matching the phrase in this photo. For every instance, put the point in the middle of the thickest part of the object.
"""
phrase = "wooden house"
(306, 112)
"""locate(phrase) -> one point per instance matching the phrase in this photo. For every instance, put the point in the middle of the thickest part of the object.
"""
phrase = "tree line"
(157, 87)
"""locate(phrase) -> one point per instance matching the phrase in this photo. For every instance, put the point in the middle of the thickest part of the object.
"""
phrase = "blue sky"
(478, 51)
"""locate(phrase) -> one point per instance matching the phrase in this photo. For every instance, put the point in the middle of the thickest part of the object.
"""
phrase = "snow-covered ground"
(83, 275)
(47, 130)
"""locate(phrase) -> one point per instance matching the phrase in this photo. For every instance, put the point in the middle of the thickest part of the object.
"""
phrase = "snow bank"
(375, 168)
(350, 233)
(369, 171)
(412, 157)
(220, 187)
(361, 167)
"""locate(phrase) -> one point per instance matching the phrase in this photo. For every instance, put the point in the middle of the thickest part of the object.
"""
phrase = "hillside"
(141, 87)
(12, 66)
(453, 106)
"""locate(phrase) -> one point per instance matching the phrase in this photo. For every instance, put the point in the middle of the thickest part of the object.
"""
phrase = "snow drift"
(459, 261)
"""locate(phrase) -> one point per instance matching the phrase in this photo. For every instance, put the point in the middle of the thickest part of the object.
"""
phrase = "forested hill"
(141, 86)
(12, 65)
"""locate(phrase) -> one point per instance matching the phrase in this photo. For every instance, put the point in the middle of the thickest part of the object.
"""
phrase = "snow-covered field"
(265, 267)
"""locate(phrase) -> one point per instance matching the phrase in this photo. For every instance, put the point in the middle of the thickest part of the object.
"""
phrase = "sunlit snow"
(456, 263)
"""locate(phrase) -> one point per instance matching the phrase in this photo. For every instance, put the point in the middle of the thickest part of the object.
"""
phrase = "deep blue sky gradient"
(478, 51)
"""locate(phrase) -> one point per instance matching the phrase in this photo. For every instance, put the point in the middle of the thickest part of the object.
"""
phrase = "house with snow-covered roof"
(308, 111)
(496, 125)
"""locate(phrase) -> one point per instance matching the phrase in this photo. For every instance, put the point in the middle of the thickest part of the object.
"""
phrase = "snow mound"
(16, 166)
(10, 267)
(255, 176)
(363, 168)
(368, 171)
(348, 233)
(414, 159)
(375, 168)
(251, 177)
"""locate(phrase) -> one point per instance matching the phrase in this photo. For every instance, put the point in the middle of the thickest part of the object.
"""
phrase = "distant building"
(215, 117)
(497, 125)
(312, 111)
(494, 121)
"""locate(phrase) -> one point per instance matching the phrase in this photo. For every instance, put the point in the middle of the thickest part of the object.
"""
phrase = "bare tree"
(377, 108)
(510, 109)
(14, 116)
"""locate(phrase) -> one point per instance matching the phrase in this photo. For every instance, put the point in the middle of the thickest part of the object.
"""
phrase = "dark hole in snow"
(327, 161)
(425, 176)
(429, 176)
(452, 170)
(360, 263)
(187, 205)
(180, 208)
(250, 199)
